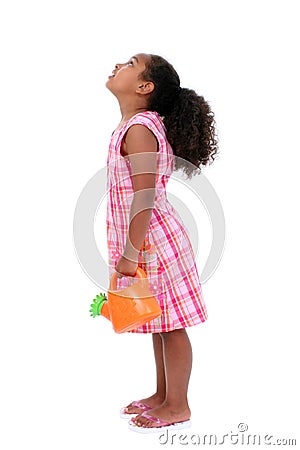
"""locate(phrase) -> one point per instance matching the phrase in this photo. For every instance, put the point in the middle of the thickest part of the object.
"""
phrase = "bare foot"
(163, 412)
(153, 401)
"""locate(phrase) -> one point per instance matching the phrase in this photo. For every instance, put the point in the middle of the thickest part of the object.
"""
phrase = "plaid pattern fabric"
(166, 254)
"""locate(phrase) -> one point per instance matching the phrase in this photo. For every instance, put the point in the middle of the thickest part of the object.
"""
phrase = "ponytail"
(189, 121)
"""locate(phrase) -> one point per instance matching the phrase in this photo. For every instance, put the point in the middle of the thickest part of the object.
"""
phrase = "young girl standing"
(163, 127)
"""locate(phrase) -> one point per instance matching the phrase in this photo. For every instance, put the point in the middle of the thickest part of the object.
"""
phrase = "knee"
(172, 334)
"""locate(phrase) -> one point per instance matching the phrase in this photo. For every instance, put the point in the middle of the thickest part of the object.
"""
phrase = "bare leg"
(159, 397)
(177, 352)
(160, 367)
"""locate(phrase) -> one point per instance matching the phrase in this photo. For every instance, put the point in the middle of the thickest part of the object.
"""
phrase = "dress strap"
(151, 120)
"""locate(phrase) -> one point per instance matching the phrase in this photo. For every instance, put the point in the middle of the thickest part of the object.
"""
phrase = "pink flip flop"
(160, 425)
(136, 404)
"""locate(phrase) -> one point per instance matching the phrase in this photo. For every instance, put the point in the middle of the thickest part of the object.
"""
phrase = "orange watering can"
(127, 308)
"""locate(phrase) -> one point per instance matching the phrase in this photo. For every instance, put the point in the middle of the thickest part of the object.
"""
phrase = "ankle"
(154, 400)
(158, 397)
(177, 406)
(161, 396)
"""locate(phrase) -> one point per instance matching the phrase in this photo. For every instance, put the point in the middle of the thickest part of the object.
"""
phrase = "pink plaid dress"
(166, 254)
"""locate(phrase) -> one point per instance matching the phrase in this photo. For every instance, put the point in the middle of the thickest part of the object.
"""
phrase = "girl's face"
(125, 77)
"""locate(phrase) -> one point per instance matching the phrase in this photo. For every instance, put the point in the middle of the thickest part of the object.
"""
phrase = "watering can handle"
(140, 273)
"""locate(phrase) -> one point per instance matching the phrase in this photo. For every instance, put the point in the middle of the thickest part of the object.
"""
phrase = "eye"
(130, 63)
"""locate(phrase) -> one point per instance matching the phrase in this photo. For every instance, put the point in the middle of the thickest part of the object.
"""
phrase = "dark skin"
(141, 146)
(132, 94)
(172, 350)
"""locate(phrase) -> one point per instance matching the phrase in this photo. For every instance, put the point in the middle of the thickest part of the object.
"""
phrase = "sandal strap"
(156, 420)
(160, 422)
(139, 404)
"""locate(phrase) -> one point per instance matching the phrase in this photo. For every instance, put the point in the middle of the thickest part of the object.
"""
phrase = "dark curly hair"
(189, 121)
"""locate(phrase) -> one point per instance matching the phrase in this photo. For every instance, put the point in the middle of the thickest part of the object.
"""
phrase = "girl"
(163, 127)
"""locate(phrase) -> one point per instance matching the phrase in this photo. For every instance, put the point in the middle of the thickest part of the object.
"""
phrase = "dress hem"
(179, 327)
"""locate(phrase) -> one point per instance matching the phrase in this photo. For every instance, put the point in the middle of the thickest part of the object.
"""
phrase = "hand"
(126, 267)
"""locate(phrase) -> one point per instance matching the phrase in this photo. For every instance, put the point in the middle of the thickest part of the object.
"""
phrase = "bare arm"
(141, 148)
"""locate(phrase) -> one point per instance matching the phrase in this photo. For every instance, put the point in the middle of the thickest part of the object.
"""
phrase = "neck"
(129, 110)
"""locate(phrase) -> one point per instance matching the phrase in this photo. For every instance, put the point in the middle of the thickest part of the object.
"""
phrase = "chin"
(108, 85)
(110, 88)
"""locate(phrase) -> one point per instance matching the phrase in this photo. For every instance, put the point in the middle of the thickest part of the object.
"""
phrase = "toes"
(135, 419)
(141, 422)
(131, 409)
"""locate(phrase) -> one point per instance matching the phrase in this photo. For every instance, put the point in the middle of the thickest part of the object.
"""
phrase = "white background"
(64, 375)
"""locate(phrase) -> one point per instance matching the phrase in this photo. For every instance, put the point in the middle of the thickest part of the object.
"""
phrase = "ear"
(145, 87)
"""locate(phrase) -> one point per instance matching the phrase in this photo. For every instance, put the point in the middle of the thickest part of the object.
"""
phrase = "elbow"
(145, 198)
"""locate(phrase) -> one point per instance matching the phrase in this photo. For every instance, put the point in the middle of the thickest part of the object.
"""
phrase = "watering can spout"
(127, 308)
(100, 306)
(105, 311)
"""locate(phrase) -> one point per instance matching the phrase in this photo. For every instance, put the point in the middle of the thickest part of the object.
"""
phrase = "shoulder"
(139, 138)
(143, 128)
(149, 119)
(146, 123)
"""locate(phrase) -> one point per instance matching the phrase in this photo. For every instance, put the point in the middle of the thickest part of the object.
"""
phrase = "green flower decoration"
(97, 305)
